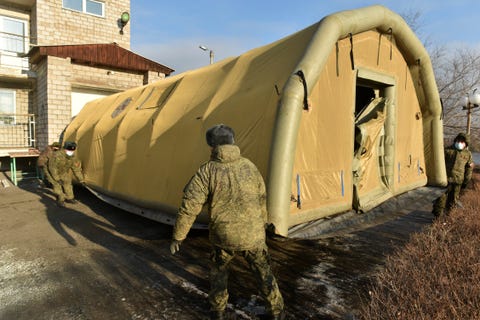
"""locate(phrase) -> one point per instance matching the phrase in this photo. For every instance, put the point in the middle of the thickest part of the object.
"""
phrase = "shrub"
(437, 274)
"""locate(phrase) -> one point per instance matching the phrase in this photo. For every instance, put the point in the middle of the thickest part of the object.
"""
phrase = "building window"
(96, 8)
(7, 107)
(12, 35)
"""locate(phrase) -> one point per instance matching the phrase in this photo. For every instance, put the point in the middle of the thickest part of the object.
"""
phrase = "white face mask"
(69, 152)
(460, 145)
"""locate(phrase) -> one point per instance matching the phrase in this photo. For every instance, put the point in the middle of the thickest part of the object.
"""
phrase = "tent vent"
(305, 89)
(122, 106)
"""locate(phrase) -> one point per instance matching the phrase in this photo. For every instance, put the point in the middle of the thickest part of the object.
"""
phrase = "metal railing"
(17, 130)
(13, 48)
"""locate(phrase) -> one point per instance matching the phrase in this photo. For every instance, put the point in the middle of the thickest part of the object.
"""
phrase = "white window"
(13, 35)
(96, 8)
(7, 106)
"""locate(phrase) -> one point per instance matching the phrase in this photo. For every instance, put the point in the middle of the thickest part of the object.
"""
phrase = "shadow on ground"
(95, 261)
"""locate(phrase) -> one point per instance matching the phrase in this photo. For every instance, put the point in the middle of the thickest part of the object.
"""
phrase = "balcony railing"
(17, 130)
(13, 49)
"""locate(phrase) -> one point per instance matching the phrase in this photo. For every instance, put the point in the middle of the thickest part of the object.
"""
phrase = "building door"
(81, 96)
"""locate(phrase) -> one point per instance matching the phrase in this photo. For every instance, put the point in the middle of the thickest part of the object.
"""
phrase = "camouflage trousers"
(62, 189)
(443, 204)
(44, 175)
(259, 262)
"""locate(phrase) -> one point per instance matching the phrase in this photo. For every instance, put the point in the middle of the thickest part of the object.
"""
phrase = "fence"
(17, 130)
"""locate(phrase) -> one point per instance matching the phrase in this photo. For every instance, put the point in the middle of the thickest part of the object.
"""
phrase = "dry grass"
(437, 274)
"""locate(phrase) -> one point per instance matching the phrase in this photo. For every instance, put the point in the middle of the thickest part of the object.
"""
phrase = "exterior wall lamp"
(124, 18)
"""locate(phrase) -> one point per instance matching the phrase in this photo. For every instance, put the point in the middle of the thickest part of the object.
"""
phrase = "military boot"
(217, 315)
(279, 316)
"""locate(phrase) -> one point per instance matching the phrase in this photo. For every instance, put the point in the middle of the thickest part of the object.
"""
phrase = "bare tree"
(414, 19)
(457, 73)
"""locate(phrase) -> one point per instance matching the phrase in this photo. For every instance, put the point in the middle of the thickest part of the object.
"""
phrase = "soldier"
(234, 190)
(61, 167)
(42, 162)
(459, 165)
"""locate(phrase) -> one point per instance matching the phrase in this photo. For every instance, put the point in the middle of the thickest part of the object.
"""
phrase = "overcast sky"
(170, 32)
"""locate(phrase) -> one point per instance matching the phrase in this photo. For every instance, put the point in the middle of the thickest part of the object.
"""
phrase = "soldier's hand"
(175, 246)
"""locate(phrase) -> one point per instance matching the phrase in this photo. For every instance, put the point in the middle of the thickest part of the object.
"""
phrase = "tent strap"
(351, 51)
(390, 32)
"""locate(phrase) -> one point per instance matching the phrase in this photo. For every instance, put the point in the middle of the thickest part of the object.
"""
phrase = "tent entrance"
(373, 149)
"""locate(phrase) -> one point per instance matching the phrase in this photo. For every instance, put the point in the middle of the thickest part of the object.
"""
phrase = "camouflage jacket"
(234, 191)
(62, 166)
(459, 165)
(44, 156)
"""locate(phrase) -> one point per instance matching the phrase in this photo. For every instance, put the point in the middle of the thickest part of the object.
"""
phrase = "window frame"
(84, 8)
(10, 115)
(24, 36)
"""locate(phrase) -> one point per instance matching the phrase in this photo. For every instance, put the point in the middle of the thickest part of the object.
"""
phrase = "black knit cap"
(219, 135)
(70, 145)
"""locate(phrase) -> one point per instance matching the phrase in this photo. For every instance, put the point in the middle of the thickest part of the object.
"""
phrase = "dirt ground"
(93, 261)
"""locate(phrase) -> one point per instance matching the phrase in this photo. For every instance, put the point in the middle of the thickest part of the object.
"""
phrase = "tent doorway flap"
(368, 162)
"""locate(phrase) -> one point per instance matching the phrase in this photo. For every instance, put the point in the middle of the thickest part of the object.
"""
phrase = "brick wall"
(40, 104)
(52, 96)
(56, 25)
(102, 78)
(52, 99)
(22, 101)
(59, 96)
(152, 76)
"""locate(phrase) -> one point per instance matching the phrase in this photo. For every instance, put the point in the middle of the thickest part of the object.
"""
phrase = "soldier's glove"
(175, 246)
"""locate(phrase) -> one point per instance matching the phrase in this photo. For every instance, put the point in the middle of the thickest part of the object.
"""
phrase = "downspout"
(330, 29)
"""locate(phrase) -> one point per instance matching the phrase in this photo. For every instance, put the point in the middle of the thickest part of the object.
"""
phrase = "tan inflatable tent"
(341, 115)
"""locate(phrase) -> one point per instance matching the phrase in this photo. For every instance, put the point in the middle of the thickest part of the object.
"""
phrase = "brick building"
(56, 55)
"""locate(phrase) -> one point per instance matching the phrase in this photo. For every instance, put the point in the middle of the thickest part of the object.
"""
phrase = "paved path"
(94, 261)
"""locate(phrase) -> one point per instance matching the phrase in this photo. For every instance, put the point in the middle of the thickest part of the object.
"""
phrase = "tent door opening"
(373, 128)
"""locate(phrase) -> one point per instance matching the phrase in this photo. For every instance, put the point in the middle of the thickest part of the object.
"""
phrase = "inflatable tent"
(342, 115)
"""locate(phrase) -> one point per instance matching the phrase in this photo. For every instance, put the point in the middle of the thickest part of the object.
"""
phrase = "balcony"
(13, 50)
(17, 141)
(17, 133)
(10, 60)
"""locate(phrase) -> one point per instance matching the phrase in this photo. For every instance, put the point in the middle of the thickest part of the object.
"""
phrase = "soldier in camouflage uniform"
(42, 162)
(459, 165)
(61, 167)
(234, 191)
